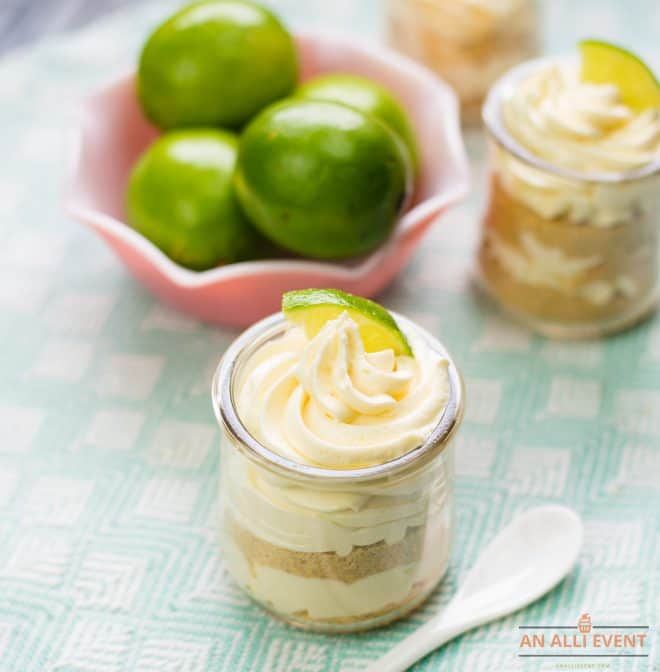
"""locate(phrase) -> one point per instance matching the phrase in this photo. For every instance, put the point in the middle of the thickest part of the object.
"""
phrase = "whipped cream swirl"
(581, 126)
(327, 402)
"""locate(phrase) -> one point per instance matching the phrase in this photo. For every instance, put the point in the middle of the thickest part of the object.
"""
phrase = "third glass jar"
(469, 43)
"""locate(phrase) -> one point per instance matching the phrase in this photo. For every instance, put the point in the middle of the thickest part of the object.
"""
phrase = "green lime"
(180, 196)
(312, 308)
(604, 63)
(365, 95)
(321, 179)
(215, 62)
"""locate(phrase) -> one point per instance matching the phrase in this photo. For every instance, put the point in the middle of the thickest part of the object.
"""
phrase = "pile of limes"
(252, 165)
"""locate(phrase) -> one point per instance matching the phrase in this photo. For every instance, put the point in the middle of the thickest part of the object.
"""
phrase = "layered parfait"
(336, 471)
(470, 43)
(571, 234)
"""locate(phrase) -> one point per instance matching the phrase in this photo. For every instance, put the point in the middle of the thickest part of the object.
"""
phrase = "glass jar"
(572, 255)
(330, 549)
(470, 43)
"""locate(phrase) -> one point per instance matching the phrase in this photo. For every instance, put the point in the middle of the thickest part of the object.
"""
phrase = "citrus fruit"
(365, 95)
(312, 308)
(180, 196)
(321, 179)
(215, 62)
(604, 63)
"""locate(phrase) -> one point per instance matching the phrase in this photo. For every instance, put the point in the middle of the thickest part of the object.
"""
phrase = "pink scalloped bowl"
(112, 133)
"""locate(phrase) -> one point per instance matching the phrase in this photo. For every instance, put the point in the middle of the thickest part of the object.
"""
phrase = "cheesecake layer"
(320, 598)
(557, 270)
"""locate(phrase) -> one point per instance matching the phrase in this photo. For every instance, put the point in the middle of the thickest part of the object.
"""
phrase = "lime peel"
(606, 63)
(312, 308)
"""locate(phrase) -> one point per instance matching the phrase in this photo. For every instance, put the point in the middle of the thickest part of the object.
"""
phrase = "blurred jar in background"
(469, 43)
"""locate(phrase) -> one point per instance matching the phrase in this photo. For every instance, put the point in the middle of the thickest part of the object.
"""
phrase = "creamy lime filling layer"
(539, 265)
(303, 520)
(583, 127)
(320, 598)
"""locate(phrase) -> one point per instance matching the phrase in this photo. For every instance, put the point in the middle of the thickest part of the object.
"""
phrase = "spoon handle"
(427, 638)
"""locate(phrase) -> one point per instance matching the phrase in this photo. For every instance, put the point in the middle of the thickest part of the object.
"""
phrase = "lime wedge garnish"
(604, 63)
(312, 308)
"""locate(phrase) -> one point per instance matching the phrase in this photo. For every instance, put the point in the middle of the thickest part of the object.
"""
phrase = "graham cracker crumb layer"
(361, 562)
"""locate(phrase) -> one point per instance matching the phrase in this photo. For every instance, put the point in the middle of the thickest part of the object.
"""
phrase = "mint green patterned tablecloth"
(108, 446)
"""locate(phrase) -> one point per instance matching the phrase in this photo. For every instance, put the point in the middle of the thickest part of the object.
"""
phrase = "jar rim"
(224, 406)
(491, 113)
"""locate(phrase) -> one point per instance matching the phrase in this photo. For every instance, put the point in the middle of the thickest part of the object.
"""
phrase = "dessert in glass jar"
(336, 507)
(571, 235)
(470, 43)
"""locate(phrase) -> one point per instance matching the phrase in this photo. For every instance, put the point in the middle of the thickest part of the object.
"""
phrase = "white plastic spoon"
(525, 560)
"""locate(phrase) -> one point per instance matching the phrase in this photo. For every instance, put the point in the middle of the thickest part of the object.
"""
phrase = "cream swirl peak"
(327, 402)
(578, 125)
(344, 380)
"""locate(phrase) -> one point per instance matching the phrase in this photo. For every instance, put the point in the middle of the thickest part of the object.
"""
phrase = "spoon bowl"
(527, 558)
